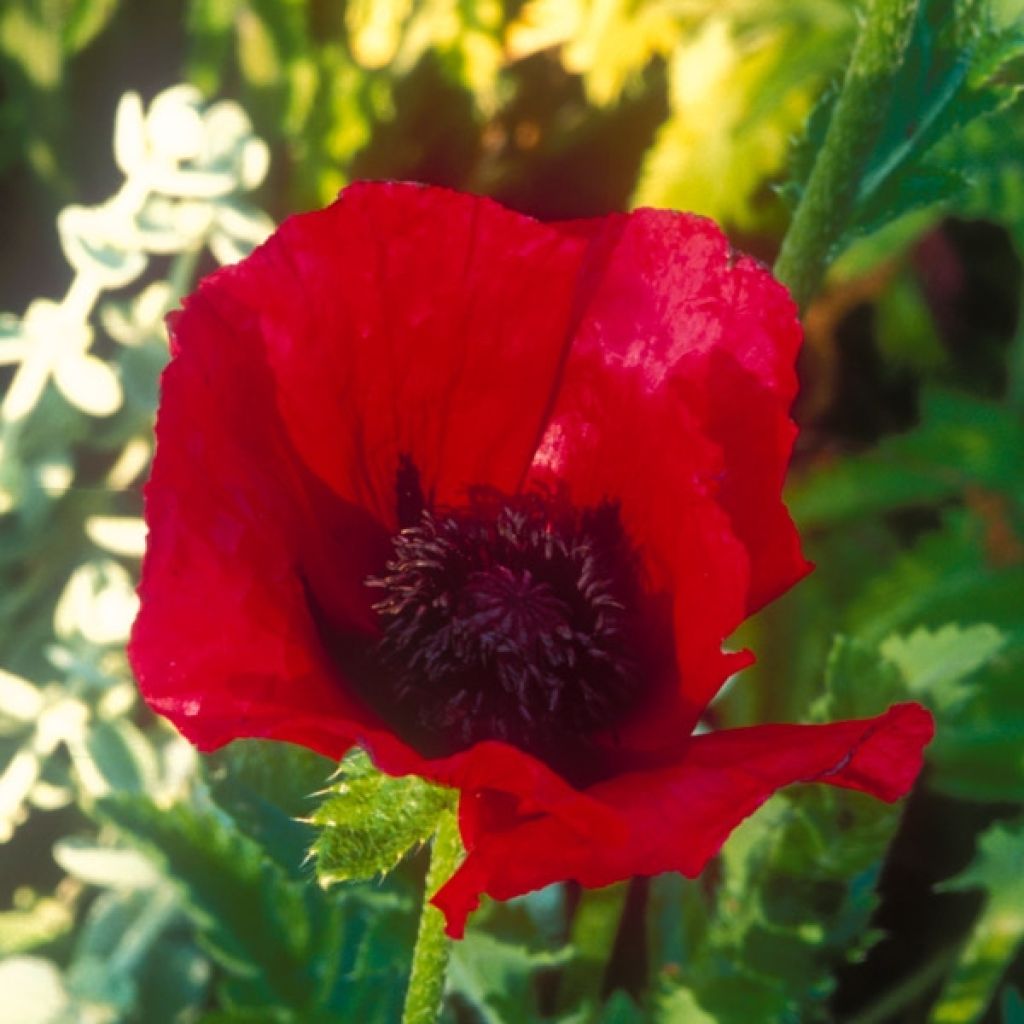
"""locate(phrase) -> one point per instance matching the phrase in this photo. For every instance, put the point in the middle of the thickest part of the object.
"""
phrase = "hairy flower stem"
(829, 198)
(430, 957)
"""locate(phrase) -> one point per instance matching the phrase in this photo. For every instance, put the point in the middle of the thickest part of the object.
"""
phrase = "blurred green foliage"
(137, 887)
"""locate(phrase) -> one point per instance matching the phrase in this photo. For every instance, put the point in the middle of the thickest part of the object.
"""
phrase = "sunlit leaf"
(998, 931)
(719, 144)
(369, 820)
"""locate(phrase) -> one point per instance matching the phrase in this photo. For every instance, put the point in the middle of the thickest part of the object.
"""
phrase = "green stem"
(595, 925)
(430, 957)
(829, 198)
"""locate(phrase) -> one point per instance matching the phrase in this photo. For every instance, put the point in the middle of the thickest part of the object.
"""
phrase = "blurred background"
(142, 142)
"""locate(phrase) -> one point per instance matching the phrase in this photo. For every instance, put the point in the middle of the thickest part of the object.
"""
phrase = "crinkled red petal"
(677, 817)
(675, 402)
(421, 322)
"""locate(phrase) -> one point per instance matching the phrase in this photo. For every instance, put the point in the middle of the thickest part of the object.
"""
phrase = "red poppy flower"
(485, 496)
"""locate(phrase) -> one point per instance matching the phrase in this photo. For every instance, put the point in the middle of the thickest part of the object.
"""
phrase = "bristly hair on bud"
(506, 619)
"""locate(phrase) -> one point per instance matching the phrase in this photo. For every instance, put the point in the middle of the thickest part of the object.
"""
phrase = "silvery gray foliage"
(185, 169)
(69, 732)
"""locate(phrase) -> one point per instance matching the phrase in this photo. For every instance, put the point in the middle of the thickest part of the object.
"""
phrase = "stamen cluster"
(506, 621)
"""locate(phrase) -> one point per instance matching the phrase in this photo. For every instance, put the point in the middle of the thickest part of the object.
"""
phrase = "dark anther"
(506, 620)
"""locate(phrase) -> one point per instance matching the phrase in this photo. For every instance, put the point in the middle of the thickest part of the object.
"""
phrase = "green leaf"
(118, 936)
(953, 78)
(173, 982)
(979, 708)
(935, 664)
(267, 787)
(370, 821)
(737, 93)
(949, 621)
(278, 940)
(961, 442)
(948, 576)
(123, 755)
(498, 978)
(998, 931)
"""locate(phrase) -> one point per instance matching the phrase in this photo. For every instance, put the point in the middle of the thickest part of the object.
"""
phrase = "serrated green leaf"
(976, 754)
(277, 939)
(928, 613)
(267, 787)
(369, 821)
(998, 869)
(936, 663)
(497, 978)
(951, 81)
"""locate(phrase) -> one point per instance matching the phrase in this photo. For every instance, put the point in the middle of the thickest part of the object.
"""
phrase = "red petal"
(676, 818)
(225, 644)
(675, 401)
(420, 322)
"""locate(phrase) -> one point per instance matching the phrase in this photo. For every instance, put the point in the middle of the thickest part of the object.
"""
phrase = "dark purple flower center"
(506, 619)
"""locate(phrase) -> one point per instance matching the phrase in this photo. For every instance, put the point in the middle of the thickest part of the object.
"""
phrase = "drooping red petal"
(674, 401)
(428, 323)
(676, 818)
